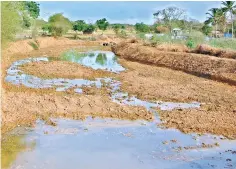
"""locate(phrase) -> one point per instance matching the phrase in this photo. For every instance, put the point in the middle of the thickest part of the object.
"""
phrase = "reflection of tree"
(91, 54)
(11, 146)
(101, 59)
(73, 56)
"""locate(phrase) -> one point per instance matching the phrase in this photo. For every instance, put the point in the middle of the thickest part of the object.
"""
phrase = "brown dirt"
(62, 69)
(22, 108)
(216, 68)
(218, 111)
(208, 50)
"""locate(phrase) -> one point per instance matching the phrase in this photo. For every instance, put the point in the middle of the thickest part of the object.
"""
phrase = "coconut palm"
(215, 17)
(230, 6)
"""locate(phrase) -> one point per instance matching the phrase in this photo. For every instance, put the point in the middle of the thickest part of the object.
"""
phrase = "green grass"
(224, 43)
(34, 45)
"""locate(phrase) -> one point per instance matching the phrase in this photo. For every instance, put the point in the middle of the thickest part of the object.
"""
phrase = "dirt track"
(217, 114)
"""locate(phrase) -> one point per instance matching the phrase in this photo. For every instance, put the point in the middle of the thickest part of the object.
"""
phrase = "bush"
(88, 29)
(56, 31)
(58, 24)
(190, 43)
(141, 27)
(195, 38)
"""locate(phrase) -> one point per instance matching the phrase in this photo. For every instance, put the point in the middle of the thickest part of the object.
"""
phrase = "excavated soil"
(221, 69)
(217, 114)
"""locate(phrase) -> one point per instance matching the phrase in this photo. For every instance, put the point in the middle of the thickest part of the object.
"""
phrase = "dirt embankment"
(202, 65)
(216, 115)
(208, 50)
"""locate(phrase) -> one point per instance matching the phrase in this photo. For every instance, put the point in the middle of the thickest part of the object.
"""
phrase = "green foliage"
(123, 34)
(169, 16)
(141, 27)
(195, 38)
(26, 21)
(79, 25)
(10, 20)
(33, 8)
(34, 45)
(224, 43)
(59, 24)
(101, 59)
(206, 29)
(190, 43)
(116, 28)
(88, 29)
(102, 24)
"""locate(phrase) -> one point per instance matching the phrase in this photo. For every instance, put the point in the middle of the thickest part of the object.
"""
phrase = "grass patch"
(224, 43)
(34, 45)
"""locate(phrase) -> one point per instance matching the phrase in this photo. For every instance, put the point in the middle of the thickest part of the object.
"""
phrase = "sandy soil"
(216, 68)
(217, 114)
(62, 69)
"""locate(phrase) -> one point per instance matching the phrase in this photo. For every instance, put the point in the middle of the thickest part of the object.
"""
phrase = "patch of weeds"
(34, 45)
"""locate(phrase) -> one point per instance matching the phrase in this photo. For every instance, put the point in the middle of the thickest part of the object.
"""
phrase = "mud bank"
(220, 69)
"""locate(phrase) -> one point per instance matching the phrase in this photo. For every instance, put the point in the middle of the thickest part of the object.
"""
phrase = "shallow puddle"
(106, 143)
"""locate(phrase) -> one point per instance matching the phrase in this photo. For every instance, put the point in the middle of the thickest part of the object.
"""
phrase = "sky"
(122, 11)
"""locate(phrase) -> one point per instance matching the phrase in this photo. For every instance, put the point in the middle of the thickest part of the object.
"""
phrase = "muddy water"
(97, 143)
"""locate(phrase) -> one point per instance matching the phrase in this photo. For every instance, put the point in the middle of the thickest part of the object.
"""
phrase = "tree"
(169, 15)
(79, 25)
(102, 24)
(206, 29)
(59, 24)
(88, 29)
(33, 8)
(141, 27)
(215, 16)
(229, 7)
(10, 20)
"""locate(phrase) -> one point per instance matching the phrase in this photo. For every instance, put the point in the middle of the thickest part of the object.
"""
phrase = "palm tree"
(215, 16)
(230, 6)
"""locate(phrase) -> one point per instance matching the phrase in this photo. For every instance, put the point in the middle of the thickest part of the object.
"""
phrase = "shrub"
(34, 45)
(58, 24)
(190, 43)
(88, 29)
(141, 27)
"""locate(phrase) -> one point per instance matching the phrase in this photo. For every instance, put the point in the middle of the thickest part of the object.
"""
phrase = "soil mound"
(208, 50)
(220, 69)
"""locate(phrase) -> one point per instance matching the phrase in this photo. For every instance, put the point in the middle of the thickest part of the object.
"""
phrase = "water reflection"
(104, 60)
